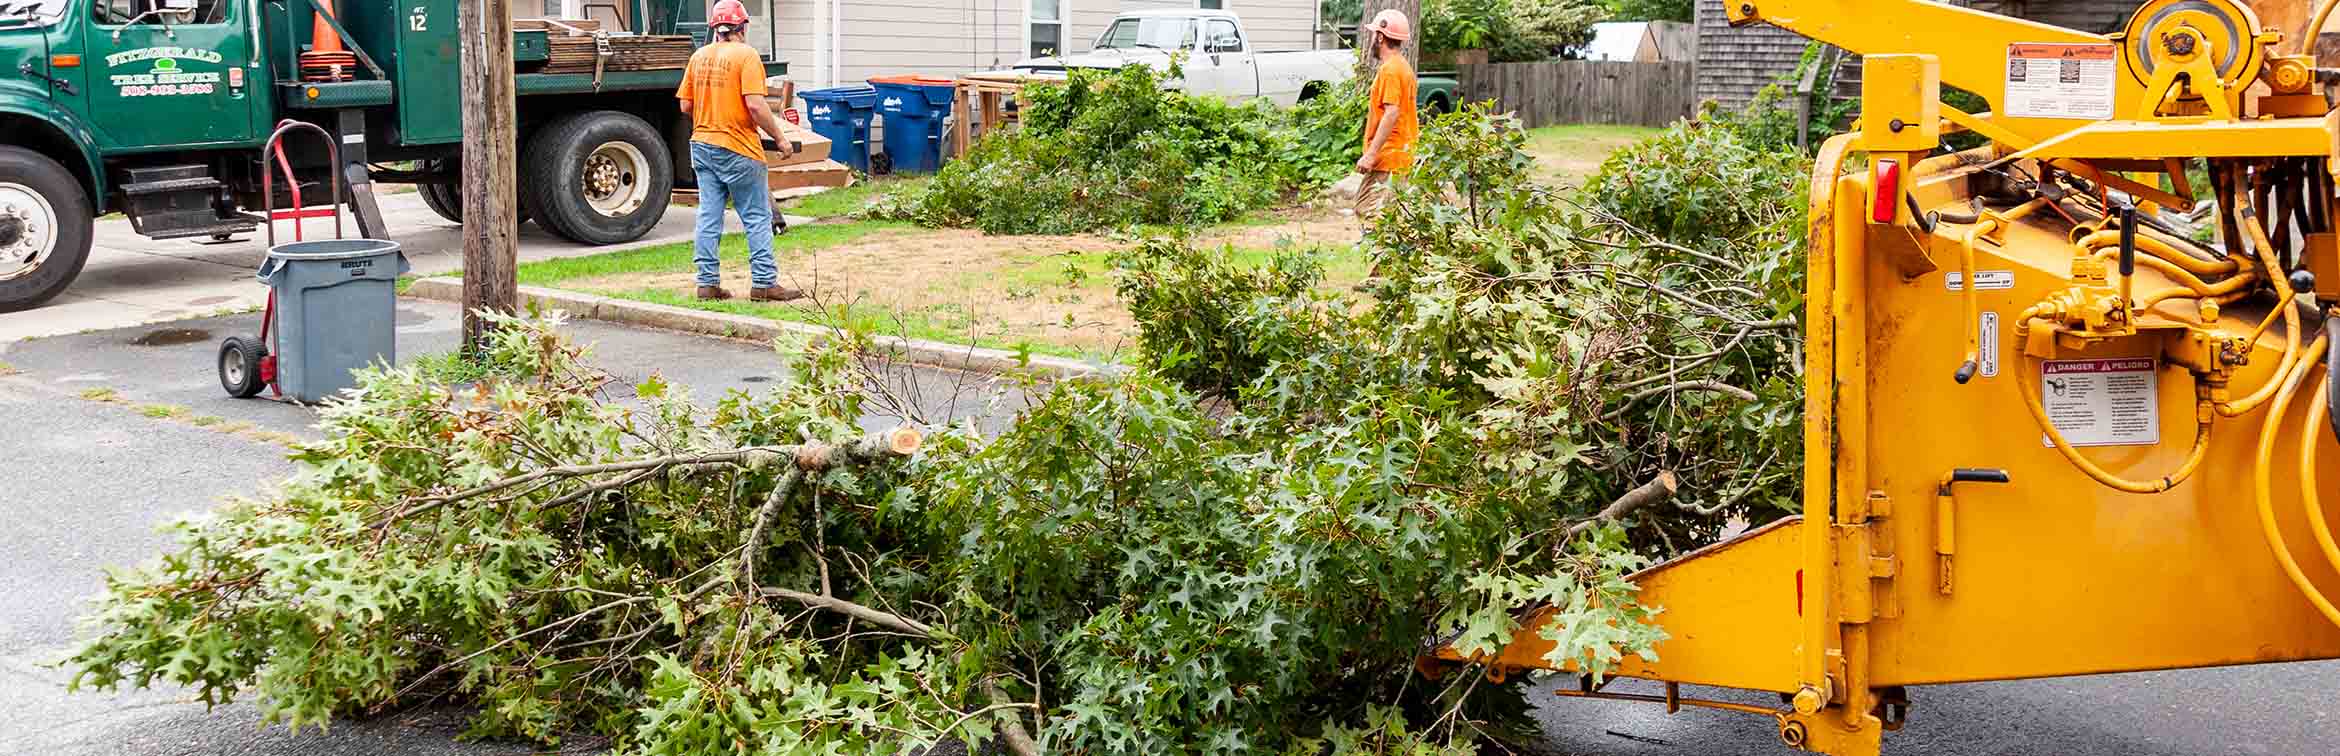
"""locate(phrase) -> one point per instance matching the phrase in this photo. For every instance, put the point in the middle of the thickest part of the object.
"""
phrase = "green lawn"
(1572, 153)
(1047, 295)
(844, 202)
(677, 256)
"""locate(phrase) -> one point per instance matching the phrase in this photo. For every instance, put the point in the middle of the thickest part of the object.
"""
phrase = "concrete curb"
(730, 326)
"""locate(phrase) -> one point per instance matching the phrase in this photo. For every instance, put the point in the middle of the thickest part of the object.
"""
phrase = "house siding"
(1735, 62)
(952, 37)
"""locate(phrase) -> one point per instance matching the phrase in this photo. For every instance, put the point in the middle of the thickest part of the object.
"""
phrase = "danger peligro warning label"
(2109, 402)
(2060, 80)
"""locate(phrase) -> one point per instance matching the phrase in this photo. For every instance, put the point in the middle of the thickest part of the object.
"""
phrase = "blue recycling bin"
(914, 109)
(842, 115)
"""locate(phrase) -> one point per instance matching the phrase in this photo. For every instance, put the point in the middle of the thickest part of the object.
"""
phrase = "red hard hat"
(728, 13)
(1390, 22)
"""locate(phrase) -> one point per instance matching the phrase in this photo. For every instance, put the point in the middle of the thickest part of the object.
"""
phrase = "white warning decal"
(2109, 402)
(1987, 351)
(1984, 280)
(2059, 80)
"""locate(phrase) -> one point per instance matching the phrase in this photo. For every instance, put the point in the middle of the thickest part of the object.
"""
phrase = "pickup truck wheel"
(599, 177)
(447, 200)
(45, 228)
(1438, 107)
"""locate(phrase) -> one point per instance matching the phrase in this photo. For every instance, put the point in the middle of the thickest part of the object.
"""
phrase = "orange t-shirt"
(720, 75)
(1393, 87)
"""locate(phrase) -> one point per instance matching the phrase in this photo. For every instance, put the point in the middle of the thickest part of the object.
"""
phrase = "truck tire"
(45, 228)
(444, 199)
(597, 177)
(447, 201)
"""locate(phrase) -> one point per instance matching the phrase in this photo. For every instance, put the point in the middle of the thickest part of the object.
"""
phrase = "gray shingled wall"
(1734, 63)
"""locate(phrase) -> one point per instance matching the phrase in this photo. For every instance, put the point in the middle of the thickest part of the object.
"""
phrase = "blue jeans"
(729, 176)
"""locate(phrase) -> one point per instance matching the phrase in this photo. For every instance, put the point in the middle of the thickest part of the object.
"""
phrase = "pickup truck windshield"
(34, 12)
(1152, 33)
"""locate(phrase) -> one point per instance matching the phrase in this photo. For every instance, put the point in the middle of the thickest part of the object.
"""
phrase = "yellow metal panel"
(2058, 575)
(1731, 609)
(1901, 103)
(1972, 44)
(2301, 137)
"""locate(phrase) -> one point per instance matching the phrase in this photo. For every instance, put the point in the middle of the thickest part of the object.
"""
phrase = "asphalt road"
(89, 481)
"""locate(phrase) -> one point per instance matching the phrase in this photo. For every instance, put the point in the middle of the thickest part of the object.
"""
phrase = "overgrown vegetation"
(1509, 30)
(1684, 11)
(1238, 548)
(1109, 150)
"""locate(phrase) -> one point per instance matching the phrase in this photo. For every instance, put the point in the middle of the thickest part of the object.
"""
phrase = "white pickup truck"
(1219, 56)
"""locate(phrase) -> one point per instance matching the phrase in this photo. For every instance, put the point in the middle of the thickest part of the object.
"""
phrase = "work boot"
(712, 293)
(775, 293)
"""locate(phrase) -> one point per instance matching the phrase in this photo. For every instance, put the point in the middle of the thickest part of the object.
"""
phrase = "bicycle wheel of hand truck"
(597, 177)
(447, 199)
(45, 228)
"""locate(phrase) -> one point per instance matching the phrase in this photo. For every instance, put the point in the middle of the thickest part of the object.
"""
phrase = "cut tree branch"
(888, 620)
(1697, 385)
(1658, 489)
(813, 457)
(1011, 724)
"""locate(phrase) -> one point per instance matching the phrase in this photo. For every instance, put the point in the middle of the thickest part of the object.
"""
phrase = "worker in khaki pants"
(723, 92)
(1390, 120)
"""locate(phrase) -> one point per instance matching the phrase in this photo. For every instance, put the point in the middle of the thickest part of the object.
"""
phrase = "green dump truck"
(158, 109)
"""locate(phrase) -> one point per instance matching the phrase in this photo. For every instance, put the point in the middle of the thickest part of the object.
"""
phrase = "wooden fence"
(1584, 91)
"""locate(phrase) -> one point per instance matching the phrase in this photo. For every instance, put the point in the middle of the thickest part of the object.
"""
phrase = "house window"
(1211, 4)
(1047, 27)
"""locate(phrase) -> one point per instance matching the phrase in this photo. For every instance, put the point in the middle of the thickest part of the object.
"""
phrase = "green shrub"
(1706, 185)
(1108, 150)
(1191, 303)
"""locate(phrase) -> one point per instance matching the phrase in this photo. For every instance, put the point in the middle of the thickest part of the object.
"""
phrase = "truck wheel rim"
(30, 224)
(614, 179)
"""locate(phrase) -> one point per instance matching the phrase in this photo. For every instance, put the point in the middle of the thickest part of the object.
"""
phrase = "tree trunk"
(490, 221)
(1413, 46)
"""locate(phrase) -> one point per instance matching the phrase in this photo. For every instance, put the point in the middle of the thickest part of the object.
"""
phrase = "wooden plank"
(490, 213)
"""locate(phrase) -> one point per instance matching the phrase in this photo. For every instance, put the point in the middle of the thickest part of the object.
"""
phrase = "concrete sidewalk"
(131, 279)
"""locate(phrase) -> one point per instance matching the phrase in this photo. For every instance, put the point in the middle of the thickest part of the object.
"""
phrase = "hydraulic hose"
(2185, 470)
(2262, 490)
(2323, 13)
(2163, 251)
(2319, 403)
(2291, 324)
(2332, 368)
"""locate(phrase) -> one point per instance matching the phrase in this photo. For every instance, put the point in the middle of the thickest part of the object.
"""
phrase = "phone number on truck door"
(167, 84)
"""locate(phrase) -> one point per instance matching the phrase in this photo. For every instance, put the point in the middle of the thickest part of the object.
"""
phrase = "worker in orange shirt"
(1390, 121)
(723, 93)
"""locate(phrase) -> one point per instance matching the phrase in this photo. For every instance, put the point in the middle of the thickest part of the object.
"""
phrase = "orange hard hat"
(1390, 22)
(727, 13)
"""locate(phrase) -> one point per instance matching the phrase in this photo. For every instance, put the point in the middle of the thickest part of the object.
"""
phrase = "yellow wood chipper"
(2049, 430)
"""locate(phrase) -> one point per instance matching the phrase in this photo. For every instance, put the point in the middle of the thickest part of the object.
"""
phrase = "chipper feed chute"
(2046, 433)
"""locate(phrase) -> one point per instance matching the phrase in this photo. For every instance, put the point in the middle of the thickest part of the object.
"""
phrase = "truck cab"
(1218, 57)
(159, 110)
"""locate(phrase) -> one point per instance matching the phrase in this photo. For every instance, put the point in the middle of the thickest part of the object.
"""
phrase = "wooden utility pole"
(490, 222)
(1413, 46)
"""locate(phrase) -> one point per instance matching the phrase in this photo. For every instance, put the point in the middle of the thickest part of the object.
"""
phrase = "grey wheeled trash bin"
(336, 311)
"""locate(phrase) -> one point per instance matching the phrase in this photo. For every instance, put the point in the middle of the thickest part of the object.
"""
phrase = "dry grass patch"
(1052, 294)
